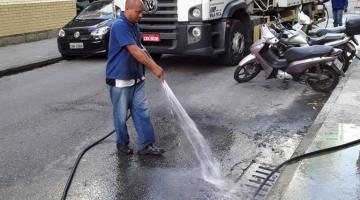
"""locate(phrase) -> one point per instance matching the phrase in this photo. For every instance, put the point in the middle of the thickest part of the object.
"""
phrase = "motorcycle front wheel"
(325, 85)
(246, 72)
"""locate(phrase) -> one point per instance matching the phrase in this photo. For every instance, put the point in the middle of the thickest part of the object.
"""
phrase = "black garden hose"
(68, 183)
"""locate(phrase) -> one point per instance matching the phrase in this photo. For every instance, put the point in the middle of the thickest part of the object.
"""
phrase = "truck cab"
(200, 27)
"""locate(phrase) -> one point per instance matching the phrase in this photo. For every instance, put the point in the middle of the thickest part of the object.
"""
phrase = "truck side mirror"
(117, 13)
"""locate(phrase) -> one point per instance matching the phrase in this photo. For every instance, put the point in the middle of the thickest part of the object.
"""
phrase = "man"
(338, 7)
(125, 80)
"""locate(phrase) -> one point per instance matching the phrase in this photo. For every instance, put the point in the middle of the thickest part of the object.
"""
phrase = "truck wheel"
(236, 45)
(156, 56)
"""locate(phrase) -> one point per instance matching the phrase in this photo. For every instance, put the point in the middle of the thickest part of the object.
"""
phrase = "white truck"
(209, 27)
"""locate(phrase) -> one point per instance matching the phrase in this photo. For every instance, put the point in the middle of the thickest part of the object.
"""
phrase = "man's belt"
(124, 83)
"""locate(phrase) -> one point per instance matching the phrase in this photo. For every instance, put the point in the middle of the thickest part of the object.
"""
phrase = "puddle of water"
(333, 174)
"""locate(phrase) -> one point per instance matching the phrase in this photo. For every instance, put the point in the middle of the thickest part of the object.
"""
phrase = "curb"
(286, 176)
(28, 67)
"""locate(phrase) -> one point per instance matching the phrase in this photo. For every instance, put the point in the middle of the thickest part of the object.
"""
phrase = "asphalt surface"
(48, 115)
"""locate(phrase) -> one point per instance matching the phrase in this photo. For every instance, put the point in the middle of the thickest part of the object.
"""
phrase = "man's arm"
(141, 56)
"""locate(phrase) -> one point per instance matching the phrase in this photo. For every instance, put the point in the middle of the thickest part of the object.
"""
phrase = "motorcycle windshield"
(267, 35)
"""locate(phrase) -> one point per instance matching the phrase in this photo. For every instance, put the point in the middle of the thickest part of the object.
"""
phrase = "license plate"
(76, 45)
(151, 37)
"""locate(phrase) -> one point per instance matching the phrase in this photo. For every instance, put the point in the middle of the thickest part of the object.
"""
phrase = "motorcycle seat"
(274, 60)
(301, 53)
(326, 38)
(323, 31)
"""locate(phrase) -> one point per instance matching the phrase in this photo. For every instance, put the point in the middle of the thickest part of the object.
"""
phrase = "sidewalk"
(336, 175)
(332, 176)
(15, 58)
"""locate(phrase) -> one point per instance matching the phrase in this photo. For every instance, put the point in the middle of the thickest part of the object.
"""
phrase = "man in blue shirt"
(338, 7)
(125, 80)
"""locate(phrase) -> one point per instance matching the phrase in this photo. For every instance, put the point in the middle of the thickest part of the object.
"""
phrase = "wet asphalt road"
(47, 116)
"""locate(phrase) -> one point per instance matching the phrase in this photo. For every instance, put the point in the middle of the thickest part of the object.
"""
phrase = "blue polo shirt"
(121, 64)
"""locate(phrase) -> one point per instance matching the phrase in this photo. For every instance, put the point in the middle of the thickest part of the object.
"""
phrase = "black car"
(88, 33)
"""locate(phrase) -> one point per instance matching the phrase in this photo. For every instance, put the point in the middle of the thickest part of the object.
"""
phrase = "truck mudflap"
(248, 59)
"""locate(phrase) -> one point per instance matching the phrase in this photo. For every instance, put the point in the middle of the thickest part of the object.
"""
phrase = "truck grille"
(163, 21)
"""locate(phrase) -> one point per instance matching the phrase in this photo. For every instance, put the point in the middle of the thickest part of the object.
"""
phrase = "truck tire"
(236, 44)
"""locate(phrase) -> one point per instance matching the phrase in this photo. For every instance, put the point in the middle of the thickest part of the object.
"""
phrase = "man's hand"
(159, 72)
(345, 10)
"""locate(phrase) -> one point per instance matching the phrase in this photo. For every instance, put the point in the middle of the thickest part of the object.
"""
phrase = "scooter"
(305, 25)
(312, 65)
(297, 38)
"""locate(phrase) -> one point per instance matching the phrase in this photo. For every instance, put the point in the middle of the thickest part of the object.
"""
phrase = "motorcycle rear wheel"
(342, 62)
(328, 84)
(246, 72)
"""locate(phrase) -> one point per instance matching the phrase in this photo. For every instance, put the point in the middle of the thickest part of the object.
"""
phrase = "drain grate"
(256, 175)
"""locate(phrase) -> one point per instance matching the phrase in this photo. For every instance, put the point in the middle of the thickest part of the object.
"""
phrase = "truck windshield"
(98, 10)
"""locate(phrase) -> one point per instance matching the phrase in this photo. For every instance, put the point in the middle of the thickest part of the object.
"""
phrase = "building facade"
(31, 20)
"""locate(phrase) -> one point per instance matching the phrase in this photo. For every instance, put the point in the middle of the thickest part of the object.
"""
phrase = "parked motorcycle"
(312, 65)
(297, 38)
(349, 50)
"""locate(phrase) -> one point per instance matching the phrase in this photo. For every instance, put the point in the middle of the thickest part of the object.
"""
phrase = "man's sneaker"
(125, 149)
(151, 150)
